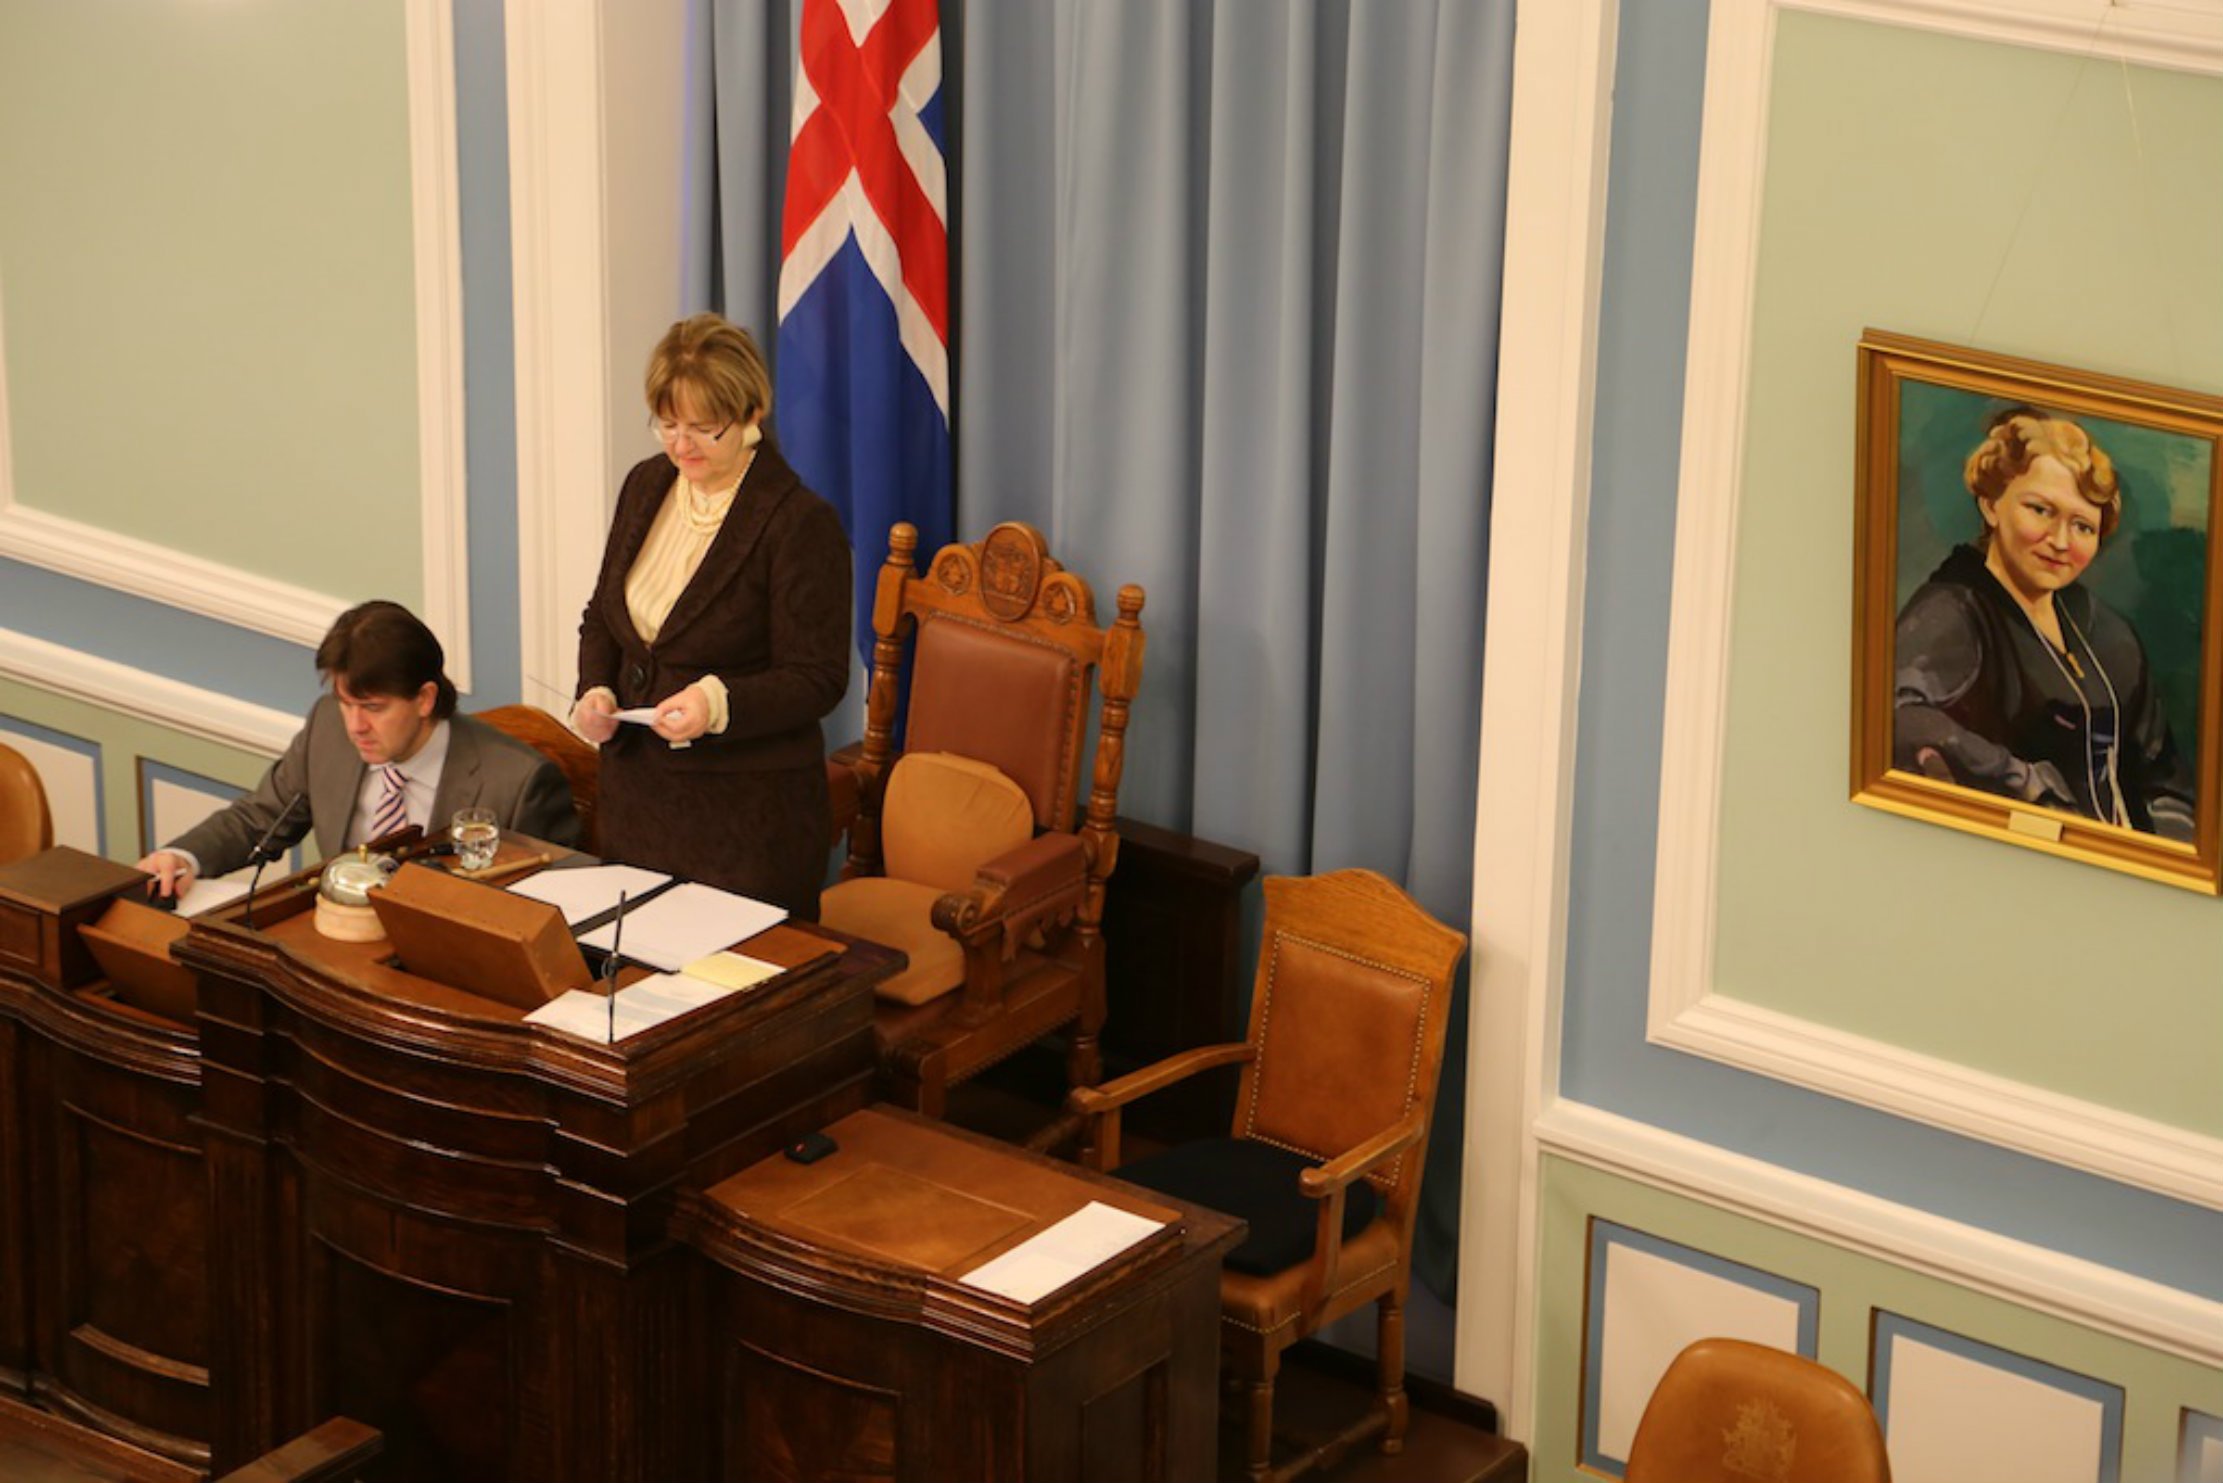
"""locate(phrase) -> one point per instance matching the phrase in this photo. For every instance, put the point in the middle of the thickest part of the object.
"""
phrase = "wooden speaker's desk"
(846, 1345)
(426, 1212)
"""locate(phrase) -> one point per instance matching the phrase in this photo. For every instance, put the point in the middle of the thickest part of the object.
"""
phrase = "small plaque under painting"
(479, 938)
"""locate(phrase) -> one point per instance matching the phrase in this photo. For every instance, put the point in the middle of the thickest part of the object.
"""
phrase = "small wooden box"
(131, 943)
(45, 900)
(479, 938)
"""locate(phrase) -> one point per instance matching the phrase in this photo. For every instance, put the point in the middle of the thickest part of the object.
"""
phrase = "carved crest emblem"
(954, 573)
(1010, 571)
(1761, 1444)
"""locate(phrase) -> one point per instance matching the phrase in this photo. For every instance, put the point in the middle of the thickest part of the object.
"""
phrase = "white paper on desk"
(207, 895)
(1054, 1256)
(653, 1000)
(687, 922)
(588, 890)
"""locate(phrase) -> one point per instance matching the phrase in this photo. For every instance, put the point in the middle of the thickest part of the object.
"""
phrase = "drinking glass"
(476, 834)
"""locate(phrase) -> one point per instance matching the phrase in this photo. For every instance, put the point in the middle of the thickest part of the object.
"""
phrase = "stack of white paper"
(1056, 1255)
(655, 999)
(207, 895)
(589, 890)
(687, 922)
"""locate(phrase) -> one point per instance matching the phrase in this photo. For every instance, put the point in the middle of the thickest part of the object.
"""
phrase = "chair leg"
(1259, 1463)
(1389, 1348)
(1084, 1060)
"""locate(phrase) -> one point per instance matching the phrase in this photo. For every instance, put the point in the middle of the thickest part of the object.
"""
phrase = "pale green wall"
(206, 280)
(123, 740)
(2156, 1386)
(2019, 201)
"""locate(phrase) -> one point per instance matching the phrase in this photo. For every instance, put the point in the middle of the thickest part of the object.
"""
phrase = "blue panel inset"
(1604, 1235)
(151, 772)
(1890, 1328)
(84, 747)
(2199, 1431)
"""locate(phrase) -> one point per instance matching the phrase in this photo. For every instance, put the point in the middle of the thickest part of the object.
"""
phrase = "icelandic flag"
(862, 397)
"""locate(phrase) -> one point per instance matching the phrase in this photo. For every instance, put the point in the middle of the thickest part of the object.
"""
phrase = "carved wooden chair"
(337, 1451)
(548, 736)
(26, 825)
(964, 850)
(1329, 1136)
(1731, 1412)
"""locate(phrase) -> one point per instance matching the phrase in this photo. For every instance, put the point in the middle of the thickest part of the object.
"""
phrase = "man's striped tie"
(393, 806)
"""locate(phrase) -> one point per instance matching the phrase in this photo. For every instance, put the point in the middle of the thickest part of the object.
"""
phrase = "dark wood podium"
(847, 1345)
(103, 1191)
(427, 1213)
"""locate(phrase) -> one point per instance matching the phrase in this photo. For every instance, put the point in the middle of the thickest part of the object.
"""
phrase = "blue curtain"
(1227, 327)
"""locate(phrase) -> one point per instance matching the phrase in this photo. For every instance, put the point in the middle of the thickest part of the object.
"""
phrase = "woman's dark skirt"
(760, 834)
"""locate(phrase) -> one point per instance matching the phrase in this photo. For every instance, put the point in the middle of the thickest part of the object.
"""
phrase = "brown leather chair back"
(1731, 1412)
(26, 827)
(581, 763)
(1348, 1013)
(1006, 697)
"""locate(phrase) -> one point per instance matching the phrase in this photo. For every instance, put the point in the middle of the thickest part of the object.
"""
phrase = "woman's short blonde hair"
(2020, 435)
(712, 363)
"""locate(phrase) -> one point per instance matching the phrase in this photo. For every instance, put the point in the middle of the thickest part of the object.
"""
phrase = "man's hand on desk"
(172, 872)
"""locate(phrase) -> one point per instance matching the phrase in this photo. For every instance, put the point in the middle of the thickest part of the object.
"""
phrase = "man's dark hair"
(381, 648)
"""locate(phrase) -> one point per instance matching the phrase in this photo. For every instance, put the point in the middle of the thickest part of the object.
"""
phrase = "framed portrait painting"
(2038, 607)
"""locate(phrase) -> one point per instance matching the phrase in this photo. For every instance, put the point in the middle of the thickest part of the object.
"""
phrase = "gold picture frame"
(2038, 607)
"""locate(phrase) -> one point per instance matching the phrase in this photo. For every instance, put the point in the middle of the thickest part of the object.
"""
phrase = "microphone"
(264, 852)
(610, 964)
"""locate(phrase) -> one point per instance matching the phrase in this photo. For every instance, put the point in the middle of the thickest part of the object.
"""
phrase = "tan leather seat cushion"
(899, 914)
(1267, 1304)
(946, 816)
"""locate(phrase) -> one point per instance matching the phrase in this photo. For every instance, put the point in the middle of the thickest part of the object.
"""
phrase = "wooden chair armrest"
(1091, 1101)
(1021, 889)
(1338, 1172)
(328, 1453)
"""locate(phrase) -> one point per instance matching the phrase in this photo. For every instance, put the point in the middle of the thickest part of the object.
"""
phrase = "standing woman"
(723, 603)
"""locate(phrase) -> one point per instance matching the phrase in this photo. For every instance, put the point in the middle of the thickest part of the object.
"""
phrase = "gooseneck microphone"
(610, 964)
(265, 851)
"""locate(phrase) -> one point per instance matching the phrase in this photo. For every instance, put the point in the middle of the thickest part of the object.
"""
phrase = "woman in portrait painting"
(2013, 679)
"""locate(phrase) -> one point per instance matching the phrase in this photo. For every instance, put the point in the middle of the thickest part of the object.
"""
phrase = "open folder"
(673, 928)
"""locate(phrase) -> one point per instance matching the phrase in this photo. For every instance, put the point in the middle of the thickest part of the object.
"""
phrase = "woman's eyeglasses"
(699, 433)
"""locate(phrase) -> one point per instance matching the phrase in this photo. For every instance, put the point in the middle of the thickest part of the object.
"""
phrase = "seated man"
(383, 750)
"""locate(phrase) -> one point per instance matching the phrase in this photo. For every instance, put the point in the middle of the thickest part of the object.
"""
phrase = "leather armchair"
(969, 847)
(1329, 1136)
(26, 826)
(1729, 1412)
(581, 763)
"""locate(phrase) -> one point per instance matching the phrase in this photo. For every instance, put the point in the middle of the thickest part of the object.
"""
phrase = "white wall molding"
(1554, 255)
(1684, 1011)
(167, 575)
(149, 697)
(2183, 35)
(2066, 1287)
(2065, 1130)
(267, 605)
(437, 239)
(557, 259)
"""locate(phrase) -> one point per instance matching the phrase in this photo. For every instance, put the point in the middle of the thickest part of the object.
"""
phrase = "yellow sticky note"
(732, 970)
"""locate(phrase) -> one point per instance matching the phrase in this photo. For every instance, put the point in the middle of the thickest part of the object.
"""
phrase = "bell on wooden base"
(343, 910)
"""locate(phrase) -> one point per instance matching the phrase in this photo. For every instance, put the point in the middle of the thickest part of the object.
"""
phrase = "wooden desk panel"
(846, 1347)
(453, 1224)
(103, 1204)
